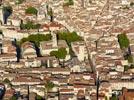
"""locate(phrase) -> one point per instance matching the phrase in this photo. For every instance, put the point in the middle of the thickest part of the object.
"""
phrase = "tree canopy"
(123, 41)
(114, 97)
(38, 97)
(13, 98)
(7, 9)
(48, 86)
(1, 32)
(69, 37)
(31, 10)
(36, 38)
(29, 25)
(129, 58)
(61, 53)
(69, 2)
(50, 13)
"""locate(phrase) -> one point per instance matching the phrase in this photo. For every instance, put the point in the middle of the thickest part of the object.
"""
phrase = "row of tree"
(69, 37)
(29, 25)
(37, 38)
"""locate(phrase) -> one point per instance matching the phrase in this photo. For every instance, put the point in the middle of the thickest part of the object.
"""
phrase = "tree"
(69, 2)
(48, 86)
(8, 9)
(1, 32)
(131, 4)
(60, 54)
(38, 97)
(123, 41)
(7, 12)
(106, 98)
(36, 38)
(13, 98)
(126, 67)
(29, 25)
(69, 37)
(31, 10)
(114, 97)
(129, 58)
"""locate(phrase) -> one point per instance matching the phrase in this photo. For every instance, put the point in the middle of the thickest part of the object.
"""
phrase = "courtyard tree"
(48, 87)
(31, 10)
(123, 41)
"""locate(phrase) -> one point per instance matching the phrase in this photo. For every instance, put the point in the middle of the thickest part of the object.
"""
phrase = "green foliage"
(50, 12)
(8, 9)
(132, 4)
(13, 98)
(29, 25)
(114, 98)
(106, 98)
(69, 37)
(123, 41)
(129, 58)
(69, 2)
(49, 86)
(126, 68)
(1, 32)
(61, 53)
(31, 10)
(37, 38)
(132, 66)
(38, 97)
